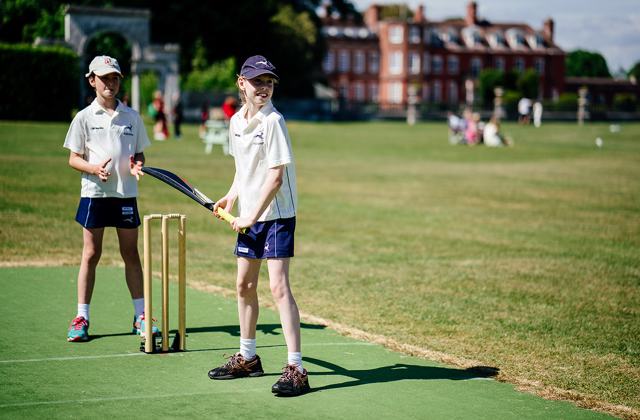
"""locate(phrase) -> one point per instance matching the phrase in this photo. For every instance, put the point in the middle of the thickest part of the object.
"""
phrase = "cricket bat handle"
(228, 217)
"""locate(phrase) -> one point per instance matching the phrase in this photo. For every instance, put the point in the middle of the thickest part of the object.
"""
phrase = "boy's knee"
(245, 288)
(279, 291)
(92, 255)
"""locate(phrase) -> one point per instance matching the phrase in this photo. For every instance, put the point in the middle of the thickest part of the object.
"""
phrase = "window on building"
(476, 67)
(396, 34)
(437, 91)
(519, 64)
(395, 92)
(414, 63)
(426, 63)
(358, 62)
(426, 92)
(414, 34)
(358, 91)
(343, 91)
(453, 64)
(498, 63)
(329, 62)
(539, 64)
(395, 62)
(437, 64)
(343, 61)
(374, 62)
(373, 92)
(452, 92)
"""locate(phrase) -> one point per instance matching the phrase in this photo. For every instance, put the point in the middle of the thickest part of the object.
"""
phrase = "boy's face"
(107, 86)
(258, 90)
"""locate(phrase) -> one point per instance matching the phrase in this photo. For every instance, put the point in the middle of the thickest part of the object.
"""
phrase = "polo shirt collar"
(96, 108)
(260, 115)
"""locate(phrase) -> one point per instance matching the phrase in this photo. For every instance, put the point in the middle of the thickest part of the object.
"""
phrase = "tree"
(488, 80)
(635, 71)
(581, 63)
(528, 82)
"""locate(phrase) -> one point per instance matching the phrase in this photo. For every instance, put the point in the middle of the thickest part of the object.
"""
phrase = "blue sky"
(610, 27)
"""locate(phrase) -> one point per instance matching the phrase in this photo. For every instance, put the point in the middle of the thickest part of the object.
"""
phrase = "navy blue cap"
(257, 65)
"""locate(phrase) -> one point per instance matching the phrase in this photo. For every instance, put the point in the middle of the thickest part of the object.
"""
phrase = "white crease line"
(127, 398)
(106, 356)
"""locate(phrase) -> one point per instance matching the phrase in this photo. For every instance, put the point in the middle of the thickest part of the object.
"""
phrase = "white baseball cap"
(103, 64)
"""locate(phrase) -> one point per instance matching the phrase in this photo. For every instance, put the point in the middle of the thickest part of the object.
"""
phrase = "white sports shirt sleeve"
(257, 146)
(98, 136)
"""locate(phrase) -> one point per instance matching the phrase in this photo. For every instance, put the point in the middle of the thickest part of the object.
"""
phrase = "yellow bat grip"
(228, 217)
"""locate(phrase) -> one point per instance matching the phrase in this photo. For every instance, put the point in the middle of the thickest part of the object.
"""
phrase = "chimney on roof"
(419, 15)
(472, 13)
(372, 16)
(548, 30)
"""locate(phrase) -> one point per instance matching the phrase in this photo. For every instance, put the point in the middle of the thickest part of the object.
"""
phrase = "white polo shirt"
(258, 145)
(98, 136)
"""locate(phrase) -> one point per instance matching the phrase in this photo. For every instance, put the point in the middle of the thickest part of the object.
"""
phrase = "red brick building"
(385, 60)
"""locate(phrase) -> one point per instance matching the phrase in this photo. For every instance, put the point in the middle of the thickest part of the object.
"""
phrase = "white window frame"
(396, 62)
(453, 94)
(373, 92)
(437, 91)
(344, 61)
(539, 65)
(329, 62)
(499, 63)
(359, 62)
(414, 34)
(518, 64)
(437, 65)
(453, 64)
(426, 63)
(358, 91)
(476, 66)
(396, 34)
(394, 92)
(414, 62)
(374, 62)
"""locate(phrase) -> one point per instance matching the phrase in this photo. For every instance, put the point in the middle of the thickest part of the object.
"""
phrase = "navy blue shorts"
(108, 212)
(271, 239)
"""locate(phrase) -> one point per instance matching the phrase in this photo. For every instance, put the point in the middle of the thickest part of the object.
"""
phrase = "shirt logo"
(128, 130)
(126, 211)
(260, 136)
(97, 128)
(243, 249)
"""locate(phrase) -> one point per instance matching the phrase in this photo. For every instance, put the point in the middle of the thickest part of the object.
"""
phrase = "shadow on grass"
(234, 330)
(397, 372)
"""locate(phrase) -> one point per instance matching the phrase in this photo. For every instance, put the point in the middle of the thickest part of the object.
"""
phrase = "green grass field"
(525, 259)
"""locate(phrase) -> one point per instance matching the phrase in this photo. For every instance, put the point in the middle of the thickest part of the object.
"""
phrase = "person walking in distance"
(106, 141)
(265, 187)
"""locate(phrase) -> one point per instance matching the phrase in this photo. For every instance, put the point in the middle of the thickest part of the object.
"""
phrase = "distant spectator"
(456, 128)
(204, 117)
(537, 114)
(229, 107)
(160, 128)
(491, 135)
(524, 111)
(473, 131)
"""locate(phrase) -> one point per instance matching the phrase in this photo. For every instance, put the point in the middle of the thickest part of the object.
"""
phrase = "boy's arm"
(269, 189)
(228, 200)
(135, 165)
(77, 162)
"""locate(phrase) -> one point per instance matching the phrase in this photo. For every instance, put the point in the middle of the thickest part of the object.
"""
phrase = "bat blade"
(179, 184)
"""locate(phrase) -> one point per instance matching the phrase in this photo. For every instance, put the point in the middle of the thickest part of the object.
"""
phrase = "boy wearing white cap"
(265, 187)
(106, 142)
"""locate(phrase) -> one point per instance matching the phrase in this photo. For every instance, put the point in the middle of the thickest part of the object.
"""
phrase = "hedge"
(38, 83)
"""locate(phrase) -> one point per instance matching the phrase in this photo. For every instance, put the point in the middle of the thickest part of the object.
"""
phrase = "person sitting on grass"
(492, 136)
(106, 141)
(265, 187)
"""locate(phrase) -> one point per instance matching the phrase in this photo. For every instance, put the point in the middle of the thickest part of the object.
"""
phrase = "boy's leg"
(281, 292)
(241, 365)
(247, 292)
(128, 239)
(91, 251)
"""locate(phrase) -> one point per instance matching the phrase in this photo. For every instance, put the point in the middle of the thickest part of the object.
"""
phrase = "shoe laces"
(290, 373)
(78, 323)
(235, 361)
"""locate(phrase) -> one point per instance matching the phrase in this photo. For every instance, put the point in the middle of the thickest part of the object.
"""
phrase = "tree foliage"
(635, 71)
(581, 63)
(286, 31)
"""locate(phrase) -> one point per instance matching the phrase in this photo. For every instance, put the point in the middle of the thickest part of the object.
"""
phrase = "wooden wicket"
(149, 342)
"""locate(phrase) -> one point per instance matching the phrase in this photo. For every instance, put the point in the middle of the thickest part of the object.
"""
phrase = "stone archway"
(81, 23)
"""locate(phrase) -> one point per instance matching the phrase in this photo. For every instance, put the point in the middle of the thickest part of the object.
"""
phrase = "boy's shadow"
(267, 329)
(397, 372)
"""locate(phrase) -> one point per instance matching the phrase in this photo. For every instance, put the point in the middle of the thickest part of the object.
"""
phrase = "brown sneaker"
(292, 383)
(238, 367)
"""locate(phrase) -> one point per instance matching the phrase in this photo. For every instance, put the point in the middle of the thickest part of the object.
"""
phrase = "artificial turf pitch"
(43, 376)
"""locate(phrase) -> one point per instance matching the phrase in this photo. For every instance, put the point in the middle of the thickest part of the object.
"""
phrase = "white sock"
(138, 306)
(83, 310)
(295, 359)
(248, 348)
